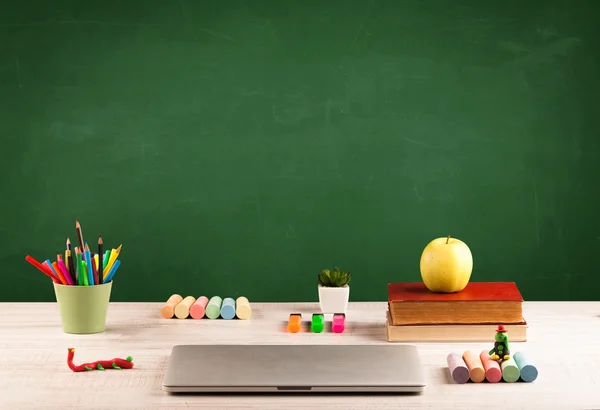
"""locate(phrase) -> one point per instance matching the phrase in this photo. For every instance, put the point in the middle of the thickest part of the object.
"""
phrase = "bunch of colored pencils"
(80, 266)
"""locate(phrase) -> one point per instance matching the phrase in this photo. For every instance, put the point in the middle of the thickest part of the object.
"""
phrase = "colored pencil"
(105, 260)
(68, 254)
(41, 268)
(100, 260)
(71, 266)
(112, 271)
(88, 262)
(49, 268)
(79, 235)
(95, 269)
(59, 273)
(84, 274)
(65, 271)
(78, 266)
(114, 254)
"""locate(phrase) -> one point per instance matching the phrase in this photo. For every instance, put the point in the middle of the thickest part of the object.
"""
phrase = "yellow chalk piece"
(182, 310)
(111, 260)
(96, 262)
(243, 309)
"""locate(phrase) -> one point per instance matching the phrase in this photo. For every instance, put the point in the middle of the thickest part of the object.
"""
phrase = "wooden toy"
(510, 370)
(213, 308)
(295, 323)
(242, 308)
(198, 309)
(317, 324)
(476, 372)
(338, 322)
(182, 310)
(458, 369)
(228, 309)
(493, 373)
(168, 310)
(528, 371)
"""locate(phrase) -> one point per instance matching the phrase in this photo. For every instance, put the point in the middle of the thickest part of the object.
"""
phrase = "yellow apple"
(446, 265)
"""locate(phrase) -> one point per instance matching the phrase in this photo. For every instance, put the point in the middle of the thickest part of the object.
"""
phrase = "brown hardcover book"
(411, 303)
(452, 333)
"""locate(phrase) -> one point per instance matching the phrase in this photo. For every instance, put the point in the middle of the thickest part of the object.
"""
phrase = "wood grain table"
(564, 341)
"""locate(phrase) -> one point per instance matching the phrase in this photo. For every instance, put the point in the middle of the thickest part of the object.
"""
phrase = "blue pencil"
(112, 271)
(47, 261)
(90, 268)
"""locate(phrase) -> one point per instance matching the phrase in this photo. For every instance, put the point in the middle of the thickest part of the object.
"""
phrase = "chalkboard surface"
(239, 147)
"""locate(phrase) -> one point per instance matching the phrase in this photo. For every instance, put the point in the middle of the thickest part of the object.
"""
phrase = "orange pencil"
(59, 273)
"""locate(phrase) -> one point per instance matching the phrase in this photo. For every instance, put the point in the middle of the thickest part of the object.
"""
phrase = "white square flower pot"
(334, 300)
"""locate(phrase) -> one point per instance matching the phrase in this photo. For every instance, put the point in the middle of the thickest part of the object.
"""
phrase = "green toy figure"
(501, 350)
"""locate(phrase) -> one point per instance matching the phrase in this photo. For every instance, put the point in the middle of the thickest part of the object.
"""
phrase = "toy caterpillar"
(116, 363)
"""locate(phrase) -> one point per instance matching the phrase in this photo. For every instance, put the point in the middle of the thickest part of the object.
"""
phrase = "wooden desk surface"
(564, 340)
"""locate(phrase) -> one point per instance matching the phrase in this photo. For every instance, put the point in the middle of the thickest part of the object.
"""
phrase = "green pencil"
(105, 261)
(80, 276)
(85, 276)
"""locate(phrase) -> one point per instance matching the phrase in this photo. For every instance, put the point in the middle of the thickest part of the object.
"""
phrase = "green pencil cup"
(83, 308)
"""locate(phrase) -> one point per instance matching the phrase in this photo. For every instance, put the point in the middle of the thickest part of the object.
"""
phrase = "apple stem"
(447, 239)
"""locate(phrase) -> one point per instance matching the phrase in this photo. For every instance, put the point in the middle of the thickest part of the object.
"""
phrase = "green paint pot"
(83, 308)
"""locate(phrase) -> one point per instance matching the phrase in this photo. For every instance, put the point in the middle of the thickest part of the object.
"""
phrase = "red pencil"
(41, 268)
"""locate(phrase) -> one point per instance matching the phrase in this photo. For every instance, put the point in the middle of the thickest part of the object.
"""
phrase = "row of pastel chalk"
(480, 367)
(213, 308)
(317, 323)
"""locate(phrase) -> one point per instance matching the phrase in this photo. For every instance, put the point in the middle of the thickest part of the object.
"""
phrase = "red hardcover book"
(479, 303)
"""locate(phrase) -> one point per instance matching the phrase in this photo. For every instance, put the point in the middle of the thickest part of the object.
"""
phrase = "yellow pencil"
(114, 254)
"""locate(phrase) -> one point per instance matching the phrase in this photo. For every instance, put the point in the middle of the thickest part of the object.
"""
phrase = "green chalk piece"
(510, 371)
(528, 371)
(213, 308)
(317, 324)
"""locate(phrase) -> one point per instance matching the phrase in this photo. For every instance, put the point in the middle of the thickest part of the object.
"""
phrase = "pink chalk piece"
(493, 373)
(198, 309)
(458, 368)
(338, 323)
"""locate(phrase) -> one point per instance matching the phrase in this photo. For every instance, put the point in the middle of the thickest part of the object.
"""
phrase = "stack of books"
(472, 315)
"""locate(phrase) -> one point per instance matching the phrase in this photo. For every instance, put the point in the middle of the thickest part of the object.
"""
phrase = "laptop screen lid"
(294, 368)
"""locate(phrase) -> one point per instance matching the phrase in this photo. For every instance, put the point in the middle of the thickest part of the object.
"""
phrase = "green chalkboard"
(239, 147)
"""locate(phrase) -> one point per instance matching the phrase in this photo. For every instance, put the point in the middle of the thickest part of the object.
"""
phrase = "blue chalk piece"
(528, 371)
(228, 308)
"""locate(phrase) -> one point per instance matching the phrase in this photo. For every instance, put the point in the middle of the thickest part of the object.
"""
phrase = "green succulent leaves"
(334, 278)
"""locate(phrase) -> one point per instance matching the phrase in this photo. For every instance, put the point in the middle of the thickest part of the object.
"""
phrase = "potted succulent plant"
(334, 290)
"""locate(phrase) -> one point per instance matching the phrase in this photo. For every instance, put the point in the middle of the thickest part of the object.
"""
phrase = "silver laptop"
(294, 368)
